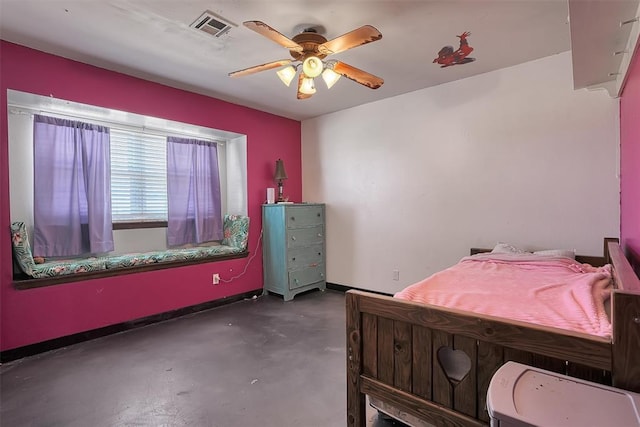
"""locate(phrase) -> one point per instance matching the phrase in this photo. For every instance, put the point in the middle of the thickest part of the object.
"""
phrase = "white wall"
(412, 182)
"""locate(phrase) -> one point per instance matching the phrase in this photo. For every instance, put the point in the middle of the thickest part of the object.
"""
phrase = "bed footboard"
(436, 363)
(625, 312)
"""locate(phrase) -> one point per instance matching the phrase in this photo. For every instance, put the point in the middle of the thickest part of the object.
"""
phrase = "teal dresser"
(293, 248)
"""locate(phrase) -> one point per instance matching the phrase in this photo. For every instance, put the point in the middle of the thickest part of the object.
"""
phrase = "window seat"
(30, 274)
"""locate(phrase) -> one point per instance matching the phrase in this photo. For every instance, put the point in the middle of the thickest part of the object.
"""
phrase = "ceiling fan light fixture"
(312, 67)
(287, 74)
(307, 87)
(309, 49)
(330, 77)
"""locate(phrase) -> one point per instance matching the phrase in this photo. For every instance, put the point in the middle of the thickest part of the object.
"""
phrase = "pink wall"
(630, 159)
(36, 315)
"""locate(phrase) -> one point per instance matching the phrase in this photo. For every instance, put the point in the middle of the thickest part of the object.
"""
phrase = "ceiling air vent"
(212, 24)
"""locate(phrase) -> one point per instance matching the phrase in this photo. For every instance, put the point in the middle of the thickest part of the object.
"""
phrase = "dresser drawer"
(304, 216)
(305, 236)
(307, 276)
(309, 256)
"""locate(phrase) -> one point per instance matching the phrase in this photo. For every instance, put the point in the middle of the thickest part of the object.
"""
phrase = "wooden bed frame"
(392, 348)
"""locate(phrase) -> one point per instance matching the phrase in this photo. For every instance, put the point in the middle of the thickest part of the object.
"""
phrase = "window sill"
(140, 224)
(26, 283)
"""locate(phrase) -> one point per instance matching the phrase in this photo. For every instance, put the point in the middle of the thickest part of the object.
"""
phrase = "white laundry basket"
(521, 395)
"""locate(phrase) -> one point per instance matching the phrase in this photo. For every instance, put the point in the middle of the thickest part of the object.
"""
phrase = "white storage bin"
(521, 395)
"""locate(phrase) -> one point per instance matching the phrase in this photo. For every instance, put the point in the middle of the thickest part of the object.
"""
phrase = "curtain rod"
(22, 109)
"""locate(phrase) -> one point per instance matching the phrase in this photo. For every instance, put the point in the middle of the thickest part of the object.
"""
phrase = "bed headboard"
(596, 261)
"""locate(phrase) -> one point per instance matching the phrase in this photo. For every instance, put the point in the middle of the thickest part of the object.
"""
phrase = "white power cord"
(248, 262)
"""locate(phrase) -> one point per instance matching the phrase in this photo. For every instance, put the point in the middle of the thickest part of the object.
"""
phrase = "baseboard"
(337, 287)
(343, 288)
(44, 346)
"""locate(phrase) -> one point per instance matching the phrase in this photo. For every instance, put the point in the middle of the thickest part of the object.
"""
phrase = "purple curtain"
(72, 194)
(193, 192)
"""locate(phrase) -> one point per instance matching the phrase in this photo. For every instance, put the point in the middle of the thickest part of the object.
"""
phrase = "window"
(135, 217)
(138, 177)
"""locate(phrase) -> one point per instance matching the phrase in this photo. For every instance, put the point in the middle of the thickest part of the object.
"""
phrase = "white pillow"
(506, 248)
(567, 253)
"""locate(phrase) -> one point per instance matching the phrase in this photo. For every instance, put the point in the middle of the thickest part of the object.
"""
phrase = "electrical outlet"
(396, 274)
(215, 279)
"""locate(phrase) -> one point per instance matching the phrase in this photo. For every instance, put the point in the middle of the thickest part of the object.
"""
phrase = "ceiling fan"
(308, 49)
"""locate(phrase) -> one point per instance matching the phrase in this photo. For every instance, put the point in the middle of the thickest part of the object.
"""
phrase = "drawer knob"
(293, 237)
(293, 259)
(293, 218)
(318, 214)
(319, 234)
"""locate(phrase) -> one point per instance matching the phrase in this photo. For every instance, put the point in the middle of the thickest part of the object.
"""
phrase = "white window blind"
(138, 176)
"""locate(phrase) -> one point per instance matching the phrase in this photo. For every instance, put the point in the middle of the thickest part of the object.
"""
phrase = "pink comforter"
(550, 291)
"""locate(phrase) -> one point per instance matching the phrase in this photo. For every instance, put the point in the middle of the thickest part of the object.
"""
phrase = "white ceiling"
(152, 39)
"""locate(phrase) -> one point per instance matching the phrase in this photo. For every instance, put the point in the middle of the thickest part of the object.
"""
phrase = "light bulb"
(330, 77)
(307, 87)
(287, 74)
(312, 67)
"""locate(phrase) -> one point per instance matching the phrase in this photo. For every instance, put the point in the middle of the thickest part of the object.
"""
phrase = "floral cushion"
(129, 260)
(221, 250)
(21, 247)
(236, 231)
(64, 267)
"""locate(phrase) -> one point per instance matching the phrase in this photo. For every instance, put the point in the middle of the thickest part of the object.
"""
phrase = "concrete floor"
(260, 362)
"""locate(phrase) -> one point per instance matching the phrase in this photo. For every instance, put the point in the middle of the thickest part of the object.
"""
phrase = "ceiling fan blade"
(258, 68)
(272, 34)
(358, 37)
(357, 75)
(300, 94)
